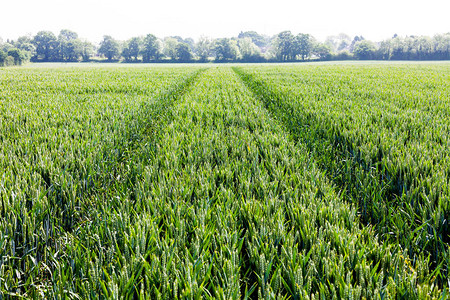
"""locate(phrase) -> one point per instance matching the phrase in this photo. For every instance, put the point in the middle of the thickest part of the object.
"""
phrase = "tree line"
(248, 46)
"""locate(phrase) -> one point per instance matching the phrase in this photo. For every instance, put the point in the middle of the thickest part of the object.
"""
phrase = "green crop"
(381, 133)
(181, 182)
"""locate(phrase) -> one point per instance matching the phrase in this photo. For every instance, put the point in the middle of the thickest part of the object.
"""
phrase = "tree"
(355, 40)
(170, 47)
(183, 53)
(423, 47)
(134, 47)
(284, 44)
(24, 43)
(6, 46)
(397, 48)
(74, 50)
(322, 51)
(226, 49)
(69, 47)
(249, 51)
(364, 50)
(441, 46)
(190, 43)
(385, 50)
(18, 56)
(126, 52)
(46, 43)
(302, 46)
(67, 35)
(109, 48)
(88, 50)
(150, 48)
(256, 38)
(203, 48)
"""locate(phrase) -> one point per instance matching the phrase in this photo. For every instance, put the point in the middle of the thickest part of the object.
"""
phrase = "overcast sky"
(91, 19)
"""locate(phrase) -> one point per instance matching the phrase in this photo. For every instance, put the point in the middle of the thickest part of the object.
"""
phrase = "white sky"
(91, 19)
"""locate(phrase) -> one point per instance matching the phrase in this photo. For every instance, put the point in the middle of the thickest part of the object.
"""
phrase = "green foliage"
(82, 131)
(150, 48)
(134, 47)
(302, 46)
(170, 183)
(381, 138)
(284, 45)
(226, 50)
(364, 50)
(46, 45)
(259, 40)
(88, 50)
(17, 55)
(249, 51)
(322, 51)
(183, 53)
(109, 48)
(70, 48)
(203, 48)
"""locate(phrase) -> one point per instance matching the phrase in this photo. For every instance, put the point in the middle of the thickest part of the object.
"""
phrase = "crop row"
(381, 133)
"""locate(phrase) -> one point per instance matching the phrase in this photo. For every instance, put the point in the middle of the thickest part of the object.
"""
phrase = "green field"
(296, 181)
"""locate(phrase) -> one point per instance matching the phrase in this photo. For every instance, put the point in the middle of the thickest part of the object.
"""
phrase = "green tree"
(190, 42)
(150, 48)
(134, 47)
(18, 56)
(302, 45)
(67, 35)
(259, 40)
(109, 48)
(440, 44)
(170, 47)
(6, 46)
(183, 52)
(423, 47)
(226, 49)
(385, 50)
(88, 50)
(68, 49)
(203, 48)
(364, 50)
(24, 43)
(285, 45)
(46, 44)
(126, 52)
(250, 52)
(74, 50)
(322, 51)
(397, 48)
(354, 41)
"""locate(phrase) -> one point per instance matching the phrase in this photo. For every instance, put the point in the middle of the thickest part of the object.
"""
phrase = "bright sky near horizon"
(375, 20)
